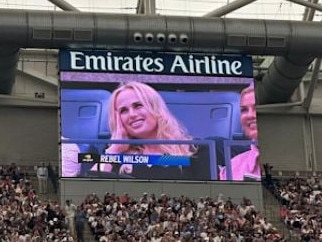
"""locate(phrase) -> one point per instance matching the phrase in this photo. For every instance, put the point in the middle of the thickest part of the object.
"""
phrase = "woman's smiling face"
(248, 115)
(136, 119)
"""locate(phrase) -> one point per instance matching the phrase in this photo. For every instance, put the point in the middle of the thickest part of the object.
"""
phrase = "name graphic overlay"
(156, 160)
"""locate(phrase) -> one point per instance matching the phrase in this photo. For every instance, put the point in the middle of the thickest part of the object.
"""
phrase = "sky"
(260, 9)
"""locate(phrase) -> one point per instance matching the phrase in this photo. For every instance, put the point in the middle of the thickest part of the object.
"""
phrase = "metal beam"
(35, 51)
(59, 29)
(282, 78)
(295, 42)
(314, 80)
(307, 16)
(230, 7)
(317, 7)
(267, 62)
(9, 57)
(281, 109)
(146, 7)
(310, 12)
(38, 76)
(6, 100)
(64, 5)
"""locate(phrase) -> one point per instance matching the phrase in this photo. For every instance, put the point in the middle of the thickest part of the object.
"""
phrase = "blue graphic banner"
(156, 160)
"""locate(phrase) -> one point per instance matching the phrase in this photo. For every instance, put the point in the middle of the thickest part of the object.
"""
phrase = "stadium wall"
(74, 189)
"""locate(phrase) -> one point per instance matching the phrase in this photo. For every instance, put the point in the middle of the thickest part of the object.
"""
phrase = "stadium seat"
(206, 114)
(84, 114)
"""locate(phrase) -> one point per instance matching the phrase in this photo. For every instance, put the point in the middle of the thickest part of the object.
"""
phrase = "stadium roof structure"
(287, 30)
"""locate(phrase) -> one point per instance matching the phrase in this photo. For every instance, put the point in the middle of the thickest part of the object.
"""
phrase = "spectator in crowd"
(42, 176)
(80, 219)
(137, 111)
(247, 163)
(70, 215)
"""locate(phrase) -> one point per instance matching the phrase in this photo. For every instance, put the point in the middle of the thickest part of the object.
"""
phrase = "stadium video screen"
(157, 116)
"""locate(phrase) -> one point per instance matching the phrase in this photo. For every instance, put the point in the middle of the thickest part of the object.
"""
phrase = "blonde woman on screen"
(137, 111)
(246, 163)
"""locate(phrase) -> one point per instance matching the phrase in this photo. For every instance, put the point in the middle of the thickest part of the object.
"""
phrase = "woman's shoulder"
(241, 156)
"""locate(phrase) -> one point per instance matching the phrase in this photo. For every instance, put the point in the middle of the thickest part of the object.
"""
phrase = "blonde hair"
(247, 90)
(168, 127)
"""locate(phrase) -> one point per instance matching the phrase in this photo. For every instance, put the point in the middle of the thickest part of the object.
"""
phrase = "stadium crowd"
(162, 219)
(24, 217)
(301, 206)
